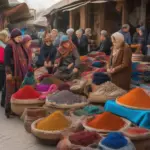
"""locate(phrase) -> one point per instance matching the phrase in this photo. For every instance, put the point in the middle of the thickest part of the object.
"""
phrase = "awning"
(77, 6)
(18, 13)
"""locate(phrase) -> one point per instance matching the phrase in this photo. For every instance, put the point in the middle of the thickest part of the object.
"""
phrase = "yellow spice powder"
(54, 122)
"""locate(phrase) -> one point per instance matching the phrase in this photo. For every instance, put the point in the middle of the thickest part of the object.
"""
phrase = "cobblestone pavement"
(14, 137)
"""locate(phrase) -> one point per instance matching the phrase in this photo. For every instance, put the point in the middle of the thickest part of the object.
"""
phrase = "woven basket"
(48, 135)
(117, 101)
(65, 106)
(137, 137)
(18, 106)
(66, 144)
(84, 123)
(100, 99)
(18, 109)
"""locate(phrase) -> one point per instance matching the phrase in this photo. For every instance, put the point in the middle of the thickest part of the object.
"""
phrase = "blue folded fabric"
(100, 78)
(136, 116)
(115, 141)
(97, 64)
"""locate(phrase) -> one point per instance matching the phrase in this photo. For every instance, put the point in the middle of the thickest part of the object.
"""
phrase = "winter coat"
(123, 67)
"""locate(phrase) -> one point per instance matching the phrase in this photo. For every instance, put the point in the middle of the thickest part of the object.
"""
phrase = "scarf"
(66, 51)
(20, 60)
(118, 42)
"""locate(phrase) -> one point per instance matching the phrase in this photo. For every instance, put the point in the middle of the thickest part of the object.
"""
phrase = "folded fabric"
(139, 117)
(42, 87)
(88, 110)
(99, 78)
(97, 64)
(115, 140)
(147, 76)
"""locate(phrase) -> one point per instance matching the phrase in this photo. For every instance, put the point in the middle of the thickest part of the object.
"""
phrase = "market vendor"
(67, 60)
(119, 66)
(16, 65)
(47, 53)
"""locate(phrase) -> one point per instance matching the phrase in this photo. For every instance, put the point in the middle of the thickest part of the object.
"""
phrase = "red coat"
(1, 55)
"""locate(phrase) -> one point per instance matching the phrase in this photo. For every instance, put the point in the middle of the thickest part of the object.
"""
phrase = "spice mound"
(107, 121)
(54, 122)
(84, 138)
(137, 98)
(26, 93)
(136, 131)
(66, 97)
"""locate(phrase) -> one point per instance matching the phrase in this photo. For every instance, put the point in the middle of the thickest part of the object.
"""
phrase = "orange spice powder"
(135, 98)
(107, 121)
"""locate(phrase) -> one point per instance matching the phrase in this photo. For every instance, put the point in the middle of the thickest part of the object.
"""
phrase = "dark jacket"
(127, 36)
(137, 39)
(47, 53)
(75, 40)
(105, 46)
(83, 45)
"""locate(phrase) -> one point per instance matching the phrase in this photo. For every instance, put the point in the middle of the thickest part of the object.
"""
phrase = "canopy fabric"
(68, 5)
(18, 13)
(78, 6)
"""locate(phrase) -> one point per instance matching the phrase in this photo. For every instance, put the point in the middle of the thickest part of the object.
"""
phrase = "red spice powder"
(107, 121)
(25, 93)
(84, 138)
(136, 130)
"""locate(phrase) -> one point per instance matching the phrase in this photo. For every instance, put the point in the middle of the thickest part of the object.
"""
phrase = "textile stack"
(137, 57)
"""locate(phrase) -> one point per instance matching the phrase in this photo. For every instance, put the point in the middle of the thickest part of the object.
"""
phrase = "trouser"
(3, 96)
(2, 79)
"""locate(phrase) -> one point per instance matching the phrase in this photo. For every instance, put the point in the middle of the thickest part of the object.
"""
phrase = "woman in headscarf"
(27, 40)
(120, 65)
(67, 60)
(4, 37)
(16, 66)
(47, 54)
(3, 40)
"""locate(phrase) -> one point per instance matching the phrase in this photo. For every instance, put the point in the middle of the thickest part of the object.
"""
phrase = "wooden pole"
(83, 17)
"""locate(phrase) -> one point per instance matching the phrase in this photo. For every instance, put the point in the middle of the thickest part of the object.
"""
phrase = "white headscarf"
(118, 41)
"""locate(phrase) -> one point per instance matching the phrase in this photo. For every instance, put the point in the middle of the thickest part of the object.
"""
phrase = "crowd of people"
(60, 54)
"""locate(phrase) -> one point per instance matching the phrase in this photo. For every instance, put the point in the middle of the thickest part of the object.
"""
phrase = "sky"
(39, 4)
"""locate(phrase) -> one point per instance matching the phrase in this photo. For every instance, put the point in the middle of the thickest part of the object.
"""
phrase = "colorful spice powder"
(54, 122)
(84, 138)
(25, 93)
(107, 121)
(136, 131)
(135, 98)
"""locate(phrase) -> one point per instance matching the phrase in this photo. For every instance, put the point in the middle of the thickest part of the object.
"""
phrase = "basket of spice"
(137, 133)
(105, 123)
(25, 97)
(66, 100)
(133, 100)
(51, 128)
(78, 140)
(32, 114)
(106, 91)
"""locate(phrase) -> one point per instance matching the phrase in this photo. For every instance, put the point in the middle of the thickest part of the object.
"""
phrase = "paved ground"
(14, 137)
